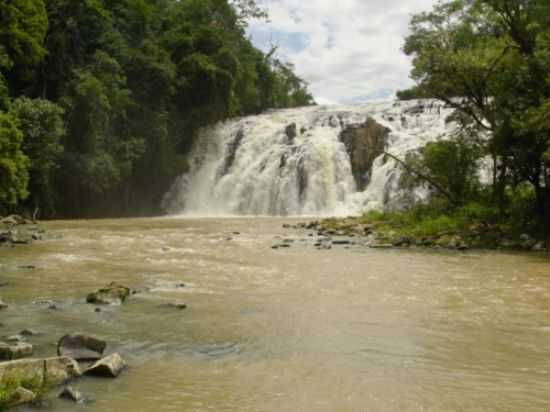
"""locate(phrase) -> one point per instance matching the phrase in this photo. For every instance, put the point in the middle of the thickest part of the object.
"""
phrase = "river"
(293, 329)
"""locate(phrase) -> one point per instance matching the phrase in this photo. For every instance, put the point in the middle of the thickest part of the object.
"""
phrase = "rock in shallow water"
(72, 394)
(81, 347)
(175, 305)
(54, 371)
(15, 351)
(112, 294)
(109, 367)
(20, 396)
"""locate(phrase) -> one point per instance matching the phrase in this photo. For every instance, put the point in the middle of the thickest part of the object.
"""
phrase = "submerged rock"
(72, 394)
(109, 367)
(81, 347)
(18, 350)
(53, 371)
(112, 294)
(175, 305)
(3, 305)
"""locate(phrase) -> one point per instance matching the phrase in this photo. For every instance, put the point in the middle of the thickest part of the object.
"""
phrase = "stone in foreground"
(112, 294)
(72, 394)
(16, 350)
(50, 371)
(81, 347)
(109, 367)
(20, 396)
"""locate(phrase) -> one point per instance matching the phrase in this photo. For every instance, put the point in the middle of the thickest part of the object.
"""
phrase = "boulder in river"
(81, 347)
(29, 332)
(72, 394)
(20, 396)
(109, 367)
(18, 350)
(53, 371)
(112, 294)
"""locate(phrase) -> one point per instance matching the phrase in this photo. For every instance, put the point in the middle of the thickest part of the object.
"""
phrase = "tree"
(23, 25)
(13, 163)
(41, 124)
(494, 55)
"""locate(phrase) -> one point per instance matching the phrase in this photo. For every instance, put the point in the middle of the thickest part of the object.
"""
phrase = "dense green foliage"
(494, 55)
(108, 96)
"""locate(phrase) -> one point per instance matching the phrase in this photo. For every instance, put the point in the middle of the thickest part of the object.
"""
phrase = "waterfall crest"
(323, 160)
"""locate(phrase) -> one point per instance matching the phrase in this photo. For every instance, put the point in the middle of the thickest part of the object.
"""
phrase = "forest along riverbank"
(222, 321)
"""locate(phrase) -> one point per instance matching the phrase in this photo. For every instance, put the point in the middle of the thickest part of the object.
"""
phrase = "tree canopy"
(490, 59)
(105, 97)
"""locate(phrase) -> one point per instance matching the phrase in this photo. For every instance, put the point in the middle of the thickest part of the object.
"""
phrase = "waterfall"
(322, 160)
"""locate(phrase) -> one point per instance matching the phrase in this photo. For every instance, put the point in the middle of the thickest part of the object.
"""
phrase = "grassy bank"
(470, 226)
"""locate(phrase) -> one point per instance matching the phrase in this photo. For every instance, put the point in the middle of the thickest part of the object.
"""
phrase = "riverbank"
(400, 230)
(17, 230)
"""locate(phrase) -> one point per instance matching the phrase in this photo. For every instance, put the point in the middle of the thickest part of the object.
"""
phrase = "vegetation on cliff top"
(101, 99)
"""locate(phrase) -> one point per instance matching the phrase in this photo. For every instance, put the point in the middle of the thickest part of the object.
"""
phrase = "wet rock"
(112, 294)
(525, 237)
(29, 332)
(401, 241)
(13, 220)
(291, 133)
(364, 143)
(12, 351)
(507, 244)
(341, 242)
(81, 347)
(3, 305)
(175, 305)
(380, 246)
(20, 396)
(54, 371)
(539, 247)
(110, 366)
(15, 339)
(20, 237)
(50, 304)
(72, 394)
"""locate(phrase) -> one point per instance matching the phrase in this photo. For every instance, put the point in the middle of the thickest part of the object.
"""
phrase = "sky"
(350, 51)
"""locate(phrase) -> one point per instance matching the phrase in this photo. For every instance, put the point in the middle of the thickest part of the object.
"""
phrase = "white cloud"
(348, 50)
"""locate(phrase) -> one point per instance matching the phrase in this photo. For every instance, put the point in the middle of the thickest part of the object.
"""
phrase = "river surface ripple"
(293, 329)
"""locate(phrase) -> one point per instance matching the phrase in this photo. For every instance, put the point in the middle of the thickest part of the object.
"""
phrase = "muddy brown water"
(287, 330)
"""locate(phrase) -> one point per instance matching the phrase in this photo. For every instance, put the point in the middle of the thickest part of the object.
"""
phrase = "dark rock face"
(364, 143)
(81, 347)
(112, 294)
(231, 152)
(109, 367)
(291, 132)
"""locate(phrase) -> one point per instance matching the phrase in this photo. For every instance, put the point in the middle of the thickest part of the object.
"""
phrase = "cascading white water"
(293, 162)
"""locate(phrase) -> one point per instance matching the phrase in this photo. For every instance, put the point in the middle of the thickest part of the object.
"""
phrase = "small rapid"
(322, 160)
